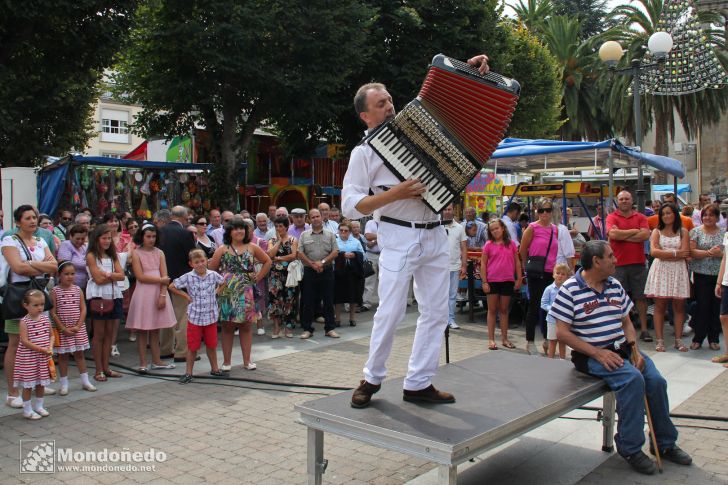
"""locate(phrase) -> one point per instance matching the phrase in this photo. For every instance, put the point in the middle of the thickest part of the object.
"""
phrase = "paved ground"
(244, 432)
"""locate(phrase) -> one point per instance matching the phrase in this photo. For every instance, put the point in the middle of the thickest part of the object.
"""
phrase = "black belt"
(415, 225)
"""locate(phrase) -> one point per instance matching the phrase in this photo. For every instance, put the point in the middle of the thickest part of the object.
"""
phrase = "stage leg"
(315, 458)
(609, 405)
(447, 474)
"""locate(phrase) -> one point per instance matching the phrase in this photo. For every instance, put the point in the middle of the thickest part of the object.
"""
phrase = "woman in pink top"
(541, 238)
(500, 269)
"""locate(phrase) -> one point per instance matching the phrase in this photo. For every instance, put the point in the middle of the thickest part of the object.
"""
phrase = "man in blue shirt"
(592, 316)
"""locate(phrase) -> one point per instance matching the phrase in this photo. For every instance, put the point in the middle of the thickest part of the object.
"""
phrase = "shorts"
(196, 333)
(633, 278)
(723, 303)
(12, 327)
(551, 331)
(115, 314)
(503, 288)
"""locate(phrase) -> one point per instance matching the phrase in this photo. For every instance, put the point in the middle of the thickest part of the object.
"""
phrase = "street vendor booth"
(105, 184)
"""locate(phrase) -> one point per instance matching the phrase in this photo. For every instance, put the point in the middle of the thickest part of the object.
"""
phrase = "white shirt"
(37, 253)
(110, 290)
(512, 231)
(371, 228)
(217, 235)
(367, 171)
(566, 246)
(455, 236)
(332, 226)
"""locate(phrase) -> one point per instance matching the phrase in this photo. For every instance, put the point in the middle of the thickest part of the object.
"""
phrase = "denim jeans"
(454, 282)
(629, 386)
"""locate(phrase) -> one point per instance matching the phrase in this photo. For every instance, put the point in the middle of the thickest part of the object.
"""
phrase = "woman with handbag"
(539, 247)
(105, 298)
(29, 260)
(282, 250)
(348, 273)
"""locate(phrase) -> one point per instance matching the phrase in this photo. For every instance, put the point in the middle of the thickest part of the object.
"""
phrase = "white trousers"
(372, 282)
(406, 253)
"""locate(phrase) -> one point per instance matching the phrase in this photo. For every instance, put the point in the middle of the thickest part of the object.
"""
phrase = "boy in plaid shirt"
(202, 286)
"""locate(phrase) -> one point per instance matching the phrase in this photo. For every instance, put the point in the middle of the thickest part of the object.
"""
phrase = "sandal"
(492, 345)
(142, 370)
(680, 346)
(721, 359)
(660, 346)
(100, 377)
(112, 373)
(695, 345)
(507, 344)
(714, 346)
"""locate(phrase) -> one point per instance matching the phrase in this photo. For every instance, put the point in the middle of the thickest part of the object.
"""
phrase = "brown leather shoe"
(428, 394)
(363, 394)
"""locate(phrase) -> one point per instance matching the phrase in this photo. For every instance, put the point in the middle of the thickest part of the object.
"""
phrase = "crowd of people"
(172, 279)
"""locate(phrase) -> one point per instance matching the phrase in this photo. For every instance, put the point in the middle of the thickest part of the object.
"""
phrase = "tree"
(409, 33)
(582, 98)
(591, 15)
(52, 54)
(533, 14)
(229, 65)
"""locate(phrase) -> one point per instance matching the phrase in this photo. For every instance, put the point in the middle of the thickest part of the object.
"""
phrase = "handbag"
(14, 293)
(536, 265)
(368, 268)
(101, 306)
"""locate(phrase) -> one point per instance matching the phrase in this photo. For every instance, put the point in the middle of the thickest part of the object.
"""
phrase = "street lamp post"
(660, 44)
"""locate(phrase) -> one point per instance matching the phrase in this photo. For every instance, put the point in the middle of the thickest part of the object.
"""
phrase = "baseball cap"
(298, 212)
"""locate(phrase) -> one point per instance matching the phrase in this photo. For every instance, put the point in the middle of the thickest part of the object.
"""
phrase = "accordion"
(447, 134)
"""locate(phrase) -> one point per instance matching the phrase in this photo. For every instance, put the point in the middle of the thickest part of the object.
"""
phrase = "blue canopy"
(523, 154)
(52, 177)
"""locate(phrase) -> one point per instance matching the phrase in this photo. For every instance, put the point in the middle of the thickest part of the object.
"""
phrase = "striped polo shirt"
(595, 317)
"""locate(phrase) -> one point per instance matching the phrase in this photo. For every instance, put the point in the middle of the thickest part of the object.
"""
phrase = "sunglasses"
(548, 210)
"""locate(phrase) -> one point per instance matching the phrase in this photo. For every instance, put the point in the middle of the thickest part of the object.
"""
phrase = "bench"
(499, 396)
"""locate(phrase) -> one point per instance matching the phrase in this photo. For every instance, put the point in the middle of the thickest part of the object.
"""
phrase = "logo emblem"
(37, 456)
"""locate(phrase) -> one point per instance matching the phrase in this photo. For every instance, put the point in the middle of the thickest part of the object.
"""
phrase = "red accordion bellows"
(475, 110)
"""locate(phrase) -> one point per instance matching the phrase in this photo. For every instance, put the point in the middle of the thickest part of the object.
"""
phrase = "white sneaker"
(89, 387)
(42, 412)
(63, 391)
(237, 331)
(115, 351)
(14, 402)
(132, 337)
(32, 415)
(49, 391)
(261, 331)
(226, 367)
(453, 325)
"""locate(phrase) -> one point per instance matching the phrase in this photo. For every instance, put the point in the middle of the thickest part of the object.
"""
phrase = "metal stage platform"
(499, 396)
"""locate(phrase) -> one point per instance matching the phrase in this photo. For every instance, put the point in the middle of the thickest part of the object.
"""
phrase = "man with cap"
(298, 217)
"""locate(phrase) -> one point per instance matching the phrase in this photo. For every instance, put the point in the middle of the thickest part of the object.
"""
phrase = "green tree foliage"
(591, 15)
(52, 54)
(230, 65)
(526, 59)
(533, 13)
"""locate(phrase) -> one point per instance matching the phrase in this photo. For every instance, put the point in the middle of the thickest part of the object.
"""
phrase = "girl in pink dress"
(35, 350)
(69, 316)
(151, 308)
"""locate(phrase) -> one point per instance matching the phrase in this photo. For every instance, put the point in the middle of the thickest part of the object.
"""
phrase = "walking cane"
(649, 419)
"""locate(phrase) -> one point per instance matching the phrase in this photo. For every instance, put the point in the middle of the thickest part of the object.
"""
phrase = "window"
(114, 126)
(112, 155)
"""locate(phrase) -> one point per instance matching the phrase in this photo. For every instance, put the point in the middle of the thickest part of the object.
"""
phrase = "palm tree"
(533, 13)
(581, 92)
(694, 110)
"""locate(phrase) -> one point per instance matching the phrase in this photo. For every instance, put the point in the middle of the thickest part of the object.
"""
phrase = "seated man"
(592, 316)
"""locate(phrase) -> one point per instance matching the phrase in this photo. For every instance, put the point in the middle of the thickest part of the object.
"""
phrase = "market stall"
(105, 184)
